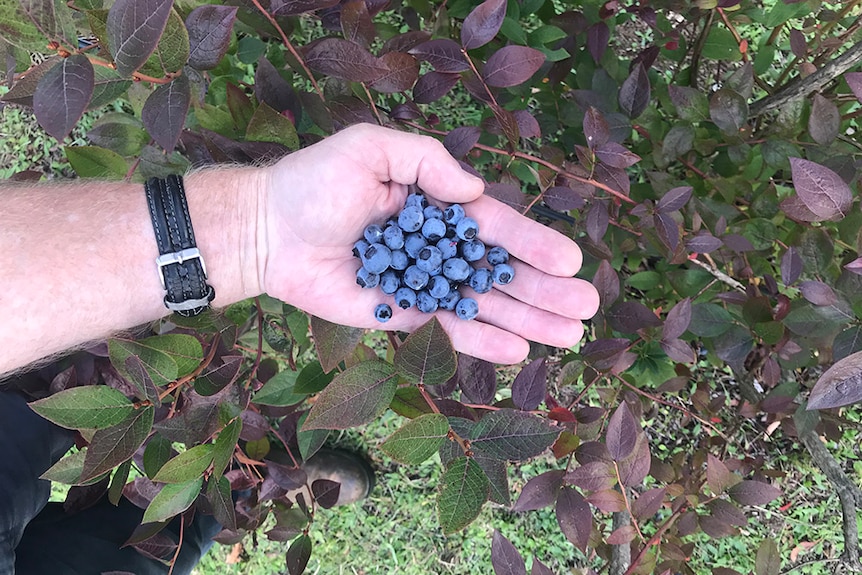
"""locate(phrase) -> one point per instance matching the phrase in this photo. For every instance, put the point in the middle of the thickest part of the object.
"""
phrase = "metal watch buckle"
(178, 258)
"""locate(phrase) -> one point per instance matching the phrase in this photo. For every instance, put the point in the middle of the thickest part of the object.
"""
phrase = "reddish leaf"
(62, 95)
(288, 478)
(604, 353)
(325, 492)
(824, 123)
(703, 243)
(333, 342)
(648, 503)
(593, 476)
(716, 528)
(134, 29)
(614, 178)
(164, 112)
(403, 71)
(597, 221)
(343, 59)
(674, 199)
(512, 65)
(596, 128)
(540, 491)
(505, 559)
(509, 194)
(530, 385)
(405, 42)
(622, 535)
(482, 23)
(727, 512)
(839, 385)
(678, 319)
(508, 125)
(273, 90)
(574, 517)
(728, 110)
(512, 435)
(854, 80)
(678, 350)
(294, 7)
(607, 283)
(442, 53)
(356, 24)
(616, 156)
(822, 190)
(738, 243)
(563, 198)
(622, 433)
(634, 468)
(461, 140)
(796, 210)
(630, 316)
(609, 501)
(791, 266)
(528, 126)
(818, 293)
(635, 92)
(597, 40)
(540, 568)
(753, 493)
(477, 379)
(209, 34)
(668, 230)
(798, 45)
(433, 86)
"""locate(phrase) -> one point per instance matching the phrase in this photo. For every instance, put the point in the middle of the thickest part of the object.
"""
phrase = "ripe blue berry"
(473, 250)
(433, 230)
(405, 298)
(467, 308)
(438, 287)
(415, 278)
(450, 300)
(417, 200)
(480, 280)
(393, 237)
(453, 214)
(389, 282)
(399, 260)
(503, 274)
(432, 212)
(425, 302)
(456, 269)
(430, 259)
(413, 244)
(467, 228)
(497, 255)
(376, 258)
(366, 279)
(383, 313)
(448, 247)
(359, 248)
(411, 219)
(373, 234)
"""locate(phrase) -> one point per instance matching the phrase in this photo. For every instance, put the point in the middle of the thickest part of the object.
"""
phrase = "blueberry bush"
(703, 153)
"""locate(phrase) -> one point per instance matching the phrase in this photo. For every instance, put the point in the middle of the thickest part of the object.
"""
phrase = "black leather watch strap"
(180, 264)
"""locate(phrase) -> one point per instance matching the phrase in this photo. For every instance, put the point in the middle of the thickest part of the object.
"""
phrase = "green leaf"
(356, 396)
(426, 356)
(691, 104)
(409, 402)
(159, 365)
(513, 435)
(172, 51)
(114, 445)
(721, 45)
(333, 342)
(768, 560)
(187, 465)
(463, 492)
(279, 390)
(644, 280)
(96, 162)
(133, 31)
(310, 441)
(118, 482)
(312, 379)
(417, 440)
(85, 407)
(17, 29)
(298, 555)
(267, 125)
(173, 499)
(124, 139)
(709, 320)
(223, 446)
(156, 454)
(185, 350)
(219, 496)
(68, 470)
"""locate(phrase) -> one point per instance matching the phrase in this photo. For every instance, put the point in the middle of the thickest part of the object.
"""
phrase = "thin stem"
(373, 105)
(179, 545)
(736, 36)
(137, 76)
(655, 538)
(203, 365)
(479, 77)
(465, 444)
(624, 491)
(259, 343)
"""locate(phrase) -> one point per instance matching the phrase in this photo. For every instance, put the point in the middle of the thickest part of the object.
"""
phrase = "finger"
(528, 240)
(422, 160)
(483, 340)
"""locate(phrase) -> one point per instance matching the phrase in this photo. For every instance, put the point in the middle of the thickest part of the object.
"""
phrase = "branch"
(621, 555)
(801, 87)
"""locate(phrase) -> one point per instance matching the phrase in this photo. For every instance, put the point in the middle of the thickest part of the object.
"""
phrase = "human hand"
(320, 199)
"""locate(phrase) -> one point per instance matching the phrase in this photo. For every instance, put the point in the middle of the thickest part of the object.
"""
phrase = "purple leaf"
(574, 517)
(607, 283)
(791, 266)
(288, 478)
(512, 65)
(528, 126)
(509, 194)
(674, 199)
(728, 110)
(648, 503)
(604, 353)
(326, 492)
(753, 493)
(461, 140)
(678, 350)
(738, 243)
(134, 29)
(433, 86)
(597, 40)
(678, 319)
(298, 554)
(442, 53)
(822, 190)
(62, 95)
(530, 385)
(540, 568)
(295, 7)
(796, 210)
(824, 123)
(667, 229)
(597, 221)
(209, 34)
(596, 128)
(635, 92)
(854, 80)
(343, 59)
(164, 112)
(592, 476)
(630, 316)
(505, 559)
(477, 379)
(818, 293)
(614, 178)
(703, 243)
(798, 45)
(482, 23)
(403, 71)
(273, 90)
(622, 433)
(616, 156)
(512, 435)
(563, 198)
(540, 491)
(855, 266)
(406, 42)
(634, 468)
(356, 24)
(839, 385)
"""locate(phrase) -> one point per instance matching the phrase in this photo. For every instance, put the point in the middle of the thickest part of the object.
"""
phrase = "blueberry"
(413, 244)
(497, 256)
(448, 247)
(399, 260)
(450, 300)
(383, 313)
(425, 302)
(438, 286)
(415, 278)
(430, 259)
(453, 214)
(373, 234)
(405, 298)
(389, 282)
(376, 258)
(503, 274)
(473, 250)
(456, 269)
(432, 213)
(467, 228)
(366, 279)
(433, 230)
(417, 200)
(411, 219)
(467, 308)
(393, 237)
(359, 248)
(480, 280)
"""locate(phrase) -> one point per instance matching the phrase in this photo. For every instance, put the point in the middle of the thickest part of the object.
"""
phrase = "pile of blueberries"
(424, 255)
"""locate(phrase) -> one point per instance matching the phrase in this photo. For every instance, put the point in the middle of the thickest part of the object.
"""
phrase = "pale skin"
(77, 259)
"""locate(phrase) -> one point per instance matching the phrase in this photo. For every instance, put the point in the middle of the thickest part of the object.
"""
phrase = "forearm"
(77, 260)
